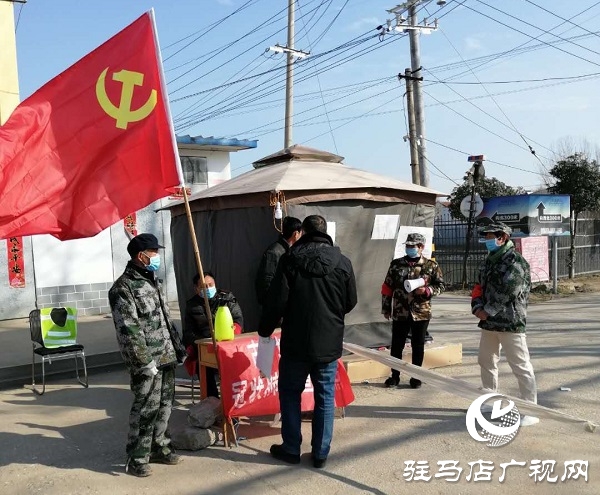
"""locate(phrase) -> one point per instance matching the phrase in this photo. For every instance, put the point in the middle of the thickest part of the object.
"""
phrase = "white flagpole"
(163, 87)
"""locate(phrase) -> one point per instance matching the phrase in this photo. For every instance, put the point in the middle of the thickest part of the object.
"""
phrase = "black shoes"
(139, 470)
(414, 383)
(392, 381)
(318, 463)
(278, 453)
(170, 459)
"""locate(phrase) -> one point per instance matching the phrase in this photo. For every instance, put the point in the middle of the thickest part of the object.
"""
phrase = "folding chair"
(54, 337)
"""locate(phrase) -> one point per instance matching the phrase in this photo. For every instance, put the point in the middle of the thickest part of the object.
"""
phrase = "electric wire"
(514, 127)
(319, 82)
(562, 18)
(530, 36)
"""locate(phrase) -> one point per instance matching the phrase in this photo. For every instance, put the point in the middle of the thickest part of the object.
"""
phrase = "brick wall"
(89, 299)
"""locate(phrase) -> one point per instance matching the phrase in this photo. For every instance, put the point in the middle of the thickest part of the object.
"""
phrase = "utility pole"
(291, 53)
(414, 29)
(289, 78)
(412, 131)
(415, 64)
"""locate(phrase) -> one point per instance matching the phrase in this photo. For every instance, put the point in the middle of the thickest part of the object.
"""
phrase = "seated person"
(196, 324)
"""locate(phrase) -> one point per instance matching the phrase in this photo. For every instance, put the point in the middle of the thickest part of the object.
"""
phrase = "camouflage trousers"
(149, 416)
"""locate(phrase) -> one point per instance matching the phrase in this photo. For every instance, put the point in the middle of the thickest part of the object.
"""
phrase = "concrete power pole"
(412, 129)
(291, 53)
(414, 29)
(415, 63)
(289, 78)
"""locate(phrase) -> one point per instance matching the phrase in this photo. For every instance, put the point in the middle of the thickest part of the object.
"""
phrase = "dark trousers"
(292, 380)
(400, 330)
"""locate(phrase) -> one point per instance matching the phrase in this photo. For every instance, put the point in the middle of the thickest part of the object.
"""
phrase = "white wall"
(80, 261)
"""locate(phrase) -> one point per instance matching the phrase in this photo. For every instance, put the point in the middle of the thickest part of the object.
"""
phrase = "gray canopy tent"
(234, 223)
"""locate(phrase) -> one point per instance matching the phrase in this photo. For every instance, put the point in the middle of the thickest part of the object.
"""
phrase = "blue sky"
(348, 101)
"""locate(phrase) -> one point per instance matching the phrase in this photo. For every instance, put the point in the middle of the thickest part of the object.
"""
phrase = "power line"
(529, 36)
(494, 100)
(253, 95)
(562, 18)
(490, 161)
(477, 124)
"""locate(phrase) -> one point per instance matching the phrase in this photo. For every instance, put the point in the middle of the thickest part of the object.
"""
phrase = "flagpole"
(189, 218)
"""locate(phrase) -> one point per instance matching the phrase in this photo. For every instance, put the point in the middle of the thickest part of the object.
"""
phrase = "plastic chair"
(54, 337)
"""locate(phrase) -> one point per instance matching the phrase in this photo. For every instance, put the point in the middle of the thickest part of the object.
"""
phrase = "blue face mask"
(154, 263)
(210, 292)
(412, 252)
(492, 245)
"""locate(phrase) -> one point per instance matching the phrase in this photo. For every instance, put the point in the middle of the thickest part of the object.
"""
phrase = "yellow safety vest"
(56, 330)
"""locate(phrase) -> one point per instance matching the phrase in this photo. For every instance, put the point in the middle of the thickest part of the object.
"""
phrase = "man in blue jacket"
(313, 289)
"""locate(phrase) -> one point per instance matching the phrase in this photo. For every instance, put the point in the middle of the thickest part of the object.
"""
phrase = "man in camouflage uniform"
(410, 311)
(150, 347)
(499, 300)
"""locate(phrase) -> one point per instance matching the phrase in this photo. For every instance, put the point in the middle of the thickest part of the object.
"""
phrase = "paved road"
(71, 440)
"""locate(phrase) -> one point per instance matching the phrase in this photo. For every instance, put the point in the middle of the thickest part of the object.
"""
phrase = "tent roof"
(304, 175)
(301, 175)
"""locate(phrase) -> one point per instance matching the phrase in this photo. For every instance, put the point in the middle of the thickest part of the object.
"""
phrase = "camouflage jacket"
(502, 290)
(142, 330)
(399, 303)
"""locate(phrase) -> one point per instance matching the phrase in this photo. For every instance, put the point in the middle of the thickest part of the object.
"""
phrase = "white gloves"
(150, 369)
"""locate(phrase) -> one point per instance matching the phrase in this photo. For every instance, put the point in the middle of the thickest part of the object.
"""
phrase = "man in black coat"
(313, 289)
(196, 323)
(290, 232)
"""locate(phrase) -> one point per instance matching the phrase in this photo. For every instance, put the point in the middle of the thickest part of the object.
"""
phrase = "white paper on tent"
(404, 230)
(385, 226)
(331, 230)
(265, 354)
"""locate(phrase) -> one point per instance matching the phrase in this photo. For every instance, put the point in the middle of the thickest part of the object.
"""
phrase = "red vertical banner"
(16, 263)
(130, 223)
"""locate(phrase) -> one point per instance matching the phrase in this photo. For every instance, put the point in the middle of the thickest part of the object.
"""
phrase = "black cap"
(141, 243)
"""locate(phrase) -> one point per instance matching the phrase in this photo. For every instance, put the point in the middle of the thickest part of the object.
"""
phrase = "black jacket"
(195, 322)
(313, 289)
(268, 267)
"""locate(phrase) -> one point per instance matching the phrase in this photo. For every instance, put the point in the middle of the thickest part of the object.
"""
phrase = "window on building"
(195, 169)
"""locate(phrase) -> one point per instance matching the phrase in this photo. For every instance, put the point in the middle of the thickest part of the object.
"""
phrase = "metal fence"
(449, 237)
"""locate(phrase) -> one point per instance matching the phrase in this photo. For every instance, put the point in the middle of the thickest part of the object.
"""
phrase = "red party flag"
(92, 145)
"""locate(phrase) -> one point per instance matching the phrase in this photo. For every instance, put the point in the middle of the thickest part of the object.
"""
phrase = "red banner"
(16, 264)
(245, 393)
(91, 145)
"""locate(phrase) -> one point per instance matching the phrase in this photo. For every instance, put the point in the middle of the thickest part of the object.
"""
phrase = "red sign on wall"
(246, 393)
(16, 263)
(130, 224)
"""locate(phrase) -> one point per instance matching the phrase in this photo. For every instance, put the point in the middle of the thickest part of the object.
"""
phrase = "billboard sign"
(529, 214)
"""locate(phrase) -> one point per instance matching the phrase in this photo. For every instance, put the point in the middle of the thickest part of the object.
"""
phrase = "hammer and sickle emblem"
(123, 114)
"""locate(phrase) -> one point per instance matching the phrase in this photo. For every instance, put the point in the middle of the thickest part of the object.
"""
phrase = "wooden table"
(208, 359)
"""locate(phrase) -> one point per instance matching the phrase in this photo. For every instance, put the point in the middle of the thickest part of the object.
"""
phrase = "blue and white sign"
(529, 214)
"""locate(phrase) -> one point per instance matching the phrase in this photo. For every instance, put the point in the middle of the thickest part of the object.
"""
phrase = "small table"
(207, 357)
